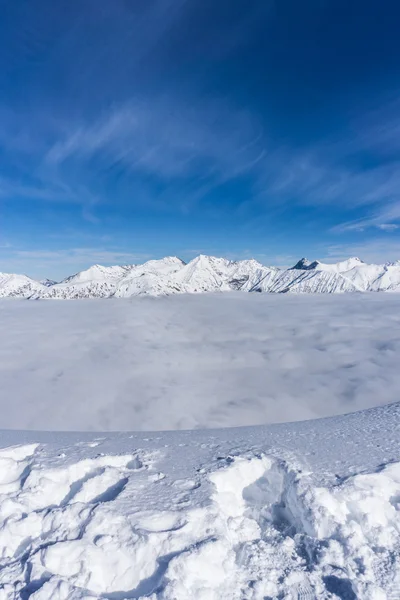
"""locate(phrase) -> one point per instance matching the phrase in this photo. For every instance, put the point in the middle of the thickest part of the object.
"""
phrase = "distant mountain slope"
(48, 282)
(95, 288)
(388, 280)
(154, 277)
(305, 282)
(97, 273)
(340, 267)
(171, 275)
(19, 286)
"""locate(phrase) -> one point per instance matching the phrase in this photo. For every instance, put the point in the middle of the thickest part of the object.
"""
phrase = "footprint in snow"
(93, 480)
(186, 484)
(157, 477)
(302, 591)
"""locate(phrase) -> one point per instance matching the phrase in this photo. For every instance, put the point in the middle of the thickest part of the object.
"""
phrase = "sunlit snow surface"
(195, 361)
(297, 511)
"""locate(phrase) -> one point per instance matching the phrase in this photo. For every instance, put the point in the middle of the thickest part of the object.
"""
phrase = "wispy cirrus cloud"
(194, 147)
(357, 171)
(140, 128)
(115, 115)
(380, 217)
(388, 226)
(167, 140)
(188, 147)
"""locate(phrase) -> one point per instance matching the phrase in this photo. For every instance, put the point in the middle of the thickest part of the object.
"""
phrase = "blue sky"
(134, 130)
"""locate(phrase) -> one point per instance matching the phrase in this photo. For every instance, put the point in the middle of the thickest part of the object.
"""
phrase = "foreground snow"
(305, 511)
(198, 361)
(171, 275)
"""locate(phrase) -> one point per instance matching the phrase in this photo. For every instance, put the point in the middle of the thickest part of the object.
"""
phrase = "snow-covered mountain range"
(171, 275)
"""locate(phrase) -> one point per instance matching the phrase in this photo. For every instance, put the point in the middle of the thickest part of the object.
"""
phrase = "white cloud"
(388, 226)
(311, 179)
(379, 219)
(178, 362)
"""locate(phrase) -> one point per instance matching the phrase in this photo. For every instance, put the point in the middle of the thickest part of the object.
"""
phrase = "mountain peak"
(304, 264)
(48, 282)
(96, 272)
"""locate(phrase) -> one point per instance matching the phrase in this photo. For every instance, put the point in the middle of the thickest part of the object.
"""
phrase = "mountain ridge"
(171, 275)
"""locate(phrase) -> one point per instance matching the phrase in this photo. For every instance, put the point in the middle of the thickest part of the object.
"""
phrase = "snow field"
(183, 518)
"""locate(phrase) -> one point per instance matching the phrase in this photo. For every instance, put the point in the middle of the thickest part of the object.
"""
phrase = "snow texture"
(306, 511)
(195, 361)
(171, 275)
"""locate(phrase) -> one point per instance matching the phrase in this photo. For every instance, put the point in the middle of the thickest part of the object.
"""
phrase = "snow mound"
(307, 510)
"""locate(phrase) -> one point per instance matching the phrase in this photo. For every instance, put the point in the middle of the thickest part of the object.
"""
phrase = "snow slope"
(205, 274)
(306, 511)
(97, 272)
(95, 282)
(93, 288)
(154, 277)
(339, 267)
(309, 281)
(19, 286)
(202, 274)
(352, 275)
(388, 280)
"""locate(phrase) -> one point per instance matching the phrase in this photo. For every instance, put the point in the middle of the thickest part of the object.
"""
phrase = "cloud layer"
(196, 361)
